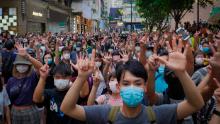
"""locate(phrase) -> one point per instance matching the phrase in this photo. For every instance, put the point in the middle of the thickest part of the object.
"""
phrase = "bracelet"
(216, 112)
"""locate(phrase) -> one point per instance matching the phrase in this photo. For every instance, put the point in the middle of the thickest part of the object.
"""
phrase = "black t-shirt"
(52, 102)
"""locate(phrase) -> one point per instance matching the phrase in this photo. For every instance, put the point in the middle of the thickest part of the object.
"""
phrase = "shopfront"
(37, 17)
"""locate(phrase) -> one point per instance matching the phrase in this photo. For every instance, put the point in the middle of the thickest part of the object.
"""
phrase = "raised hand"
(21, 51)
(125, 56)
(107, 58)
(144, 40)
(58, 42)
(86, 66)
(176, 61)
(152, 64)
(44, 71)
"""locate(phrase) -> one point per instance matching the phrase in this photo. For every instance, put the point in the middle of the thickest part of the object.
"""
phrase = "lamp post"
(131, 16)
(197, 13)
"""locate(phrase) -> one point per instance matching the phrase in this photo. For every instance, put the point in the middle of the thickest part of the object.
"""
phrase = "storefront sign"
(37, 14)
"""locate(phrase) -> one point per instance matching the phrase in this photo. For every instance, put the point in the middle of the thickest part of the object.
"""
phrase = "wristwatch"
(216, 112)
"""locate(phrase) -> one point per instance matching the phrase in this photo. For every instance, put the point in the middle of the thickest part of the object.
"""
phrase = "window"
(0, 11)
(12, 11)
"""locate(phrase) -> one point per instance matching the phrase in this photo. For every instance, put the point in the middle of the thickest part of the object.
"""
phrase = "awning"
(214, 17)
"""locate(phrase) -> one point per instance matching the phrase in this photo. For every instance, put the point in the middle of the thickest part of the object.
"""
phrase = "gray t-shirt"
(165, 114)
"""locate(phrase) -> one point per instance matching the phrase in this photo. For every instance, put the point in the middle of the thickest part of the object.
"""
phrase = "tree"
(179, 8)
(154, 12)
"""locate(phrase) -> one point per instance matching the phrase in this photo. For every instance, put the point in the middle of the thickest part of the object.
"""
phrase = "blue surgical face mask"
(161, 69)
(132, 96)
(206, 50)
(49, 61)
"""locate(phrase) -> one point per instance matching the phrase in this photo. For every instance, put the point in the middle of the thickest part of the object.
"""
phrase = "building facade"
(22, 16)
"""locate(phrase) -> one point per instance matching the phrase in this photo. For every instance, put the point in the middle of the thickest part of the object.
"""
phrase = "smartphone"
(181, 31)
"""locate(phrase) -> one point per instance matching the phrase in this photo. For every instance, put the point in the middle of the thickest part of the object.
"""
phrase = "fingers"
(187, 47)
(93, 56)
(217, 82)
(168, 47)
(162, 60)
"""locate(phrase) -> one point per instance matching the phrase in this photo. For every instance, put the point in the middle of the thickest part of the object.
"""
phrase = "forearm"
(47, 48)
(193, 96)
(106, 69)
(92, 95)
(37, 64)
(8, 116)
(57, 56)
(72, 96)
(151, 88)
(84, 92)
(38, 92)
(142, 57)
(205, 90)
(38, 54)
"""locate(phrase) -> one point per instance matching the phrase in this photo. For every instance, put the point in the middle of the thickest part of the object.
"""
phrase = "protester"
(20, 88)
(132, 78)
(52, 98)
(150, 64)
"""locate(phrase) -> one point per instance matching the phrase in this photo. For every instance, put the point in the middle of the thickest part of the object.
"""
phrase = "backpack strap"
(151, 114)
(113, 113)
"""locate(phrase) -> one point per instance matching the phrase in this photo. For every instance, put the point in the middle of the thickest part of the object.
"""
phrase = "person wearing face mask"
(48, 59)
(99, 67)
(112, 97)
(132, 78)
(65, 56)
(199, 60)
(20, 88)
(52, 98)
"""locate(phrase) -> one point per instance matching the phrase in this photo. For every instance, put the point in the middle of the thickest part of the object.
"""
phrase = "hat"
(21, 60)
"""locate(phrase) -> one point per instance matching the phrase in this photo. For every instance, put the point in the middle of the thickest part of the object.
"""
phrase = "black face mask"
(175, 89)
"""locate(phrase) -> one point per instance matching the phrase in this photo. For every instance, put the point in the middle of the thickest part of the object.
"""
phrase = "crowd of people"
(106, 78)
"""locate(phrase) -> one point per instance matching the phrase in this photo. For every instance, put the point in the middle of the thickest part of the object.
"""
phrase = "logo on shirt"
(54, 107)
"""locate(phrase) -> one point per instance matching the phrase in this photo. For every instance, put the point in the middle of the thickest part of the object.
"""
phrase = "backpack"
(115, 109)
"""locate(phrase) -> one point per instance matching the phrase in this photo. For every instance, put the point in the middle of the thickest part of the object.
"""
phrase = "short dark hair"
(134, 67)
(65, 49)
(62, 69)
(9, 44)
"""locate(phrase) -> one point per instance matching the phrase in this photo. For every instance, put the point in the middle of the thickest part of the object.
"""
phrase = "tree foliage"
(154, 12)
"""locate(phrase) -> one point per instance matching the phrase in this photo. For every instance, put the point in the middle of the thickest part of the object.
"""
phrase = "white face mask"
(113, 87)
(98, 64)
(22, 68)
(199, 61)
(61, 84)
(137, 48)
(148, 53)
(66, 56)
